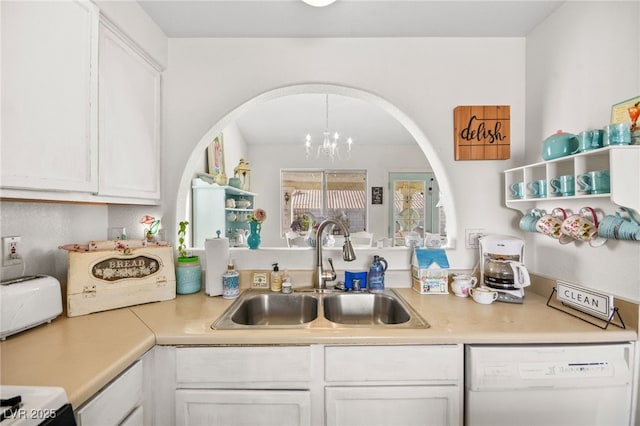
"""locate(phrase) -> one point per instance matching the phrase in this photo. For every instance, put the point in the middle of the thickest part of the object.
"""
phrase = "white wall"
(580, 61)
(45, 226)
(424, 78)
(235, 148)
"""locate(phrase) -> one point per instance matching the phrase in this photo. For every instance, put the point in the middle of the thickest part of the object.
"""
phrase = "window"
(314, 195)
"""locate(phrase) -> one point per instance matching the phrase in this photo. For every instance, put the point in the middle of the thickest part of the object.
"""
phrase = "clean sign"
(588, 301)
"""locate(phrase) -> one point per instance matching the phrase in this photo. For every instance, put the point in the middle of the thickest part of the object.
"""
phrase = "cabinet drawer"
(136, 418)
(393, 363)
(241, 367)
(114, 403)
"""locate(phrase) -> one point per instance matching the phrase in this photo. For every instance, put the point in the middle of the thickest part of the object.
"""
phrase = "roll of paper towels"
(217, 255)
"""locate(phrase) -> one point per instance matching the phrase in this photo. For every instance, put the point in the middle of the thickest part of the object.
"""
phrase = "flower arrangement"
(259, 215)
(255, 222)
(152, 224)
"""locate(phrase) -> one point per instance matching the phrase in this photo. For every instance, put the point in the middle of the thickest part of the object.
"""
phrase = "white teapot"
(241, 237)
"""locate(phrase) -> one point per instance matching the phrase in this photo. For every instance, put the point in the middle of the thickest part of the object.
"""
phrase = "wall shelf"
(623, 162)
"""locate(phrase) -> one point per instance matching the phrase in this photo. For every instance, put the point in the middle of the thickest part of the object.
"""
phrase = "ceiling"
(348, 18)
(287, 120)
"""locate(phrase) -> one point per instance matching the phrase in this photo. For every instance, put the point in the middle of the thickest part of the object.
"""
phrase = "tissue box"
(110, 279)
(430, 271)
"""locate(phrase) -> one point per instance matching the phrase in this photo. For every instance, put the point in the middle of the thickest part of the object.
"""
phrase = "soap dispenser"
(276, 278)
(231, 282)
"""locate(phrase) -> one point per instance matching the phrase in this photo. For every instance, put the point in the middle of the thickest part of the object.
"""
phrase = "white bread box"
(27, 302)
(110, 279)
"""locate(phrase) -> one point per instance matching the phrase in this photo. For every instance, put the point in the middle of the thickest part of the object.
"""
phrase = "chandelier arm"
(327, 113)
(328, 147)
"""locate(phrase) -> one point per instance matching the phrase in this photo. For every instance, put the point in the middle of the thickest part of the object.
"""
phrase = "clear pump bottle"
(276, 278)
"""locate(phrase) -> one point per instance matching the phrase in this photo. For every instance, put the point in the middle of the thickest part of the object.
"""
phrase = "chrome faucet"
(321, 276)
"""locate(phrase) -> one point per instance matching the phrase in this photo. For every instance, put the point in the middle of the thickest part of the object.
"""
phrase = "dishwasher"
(535, 385)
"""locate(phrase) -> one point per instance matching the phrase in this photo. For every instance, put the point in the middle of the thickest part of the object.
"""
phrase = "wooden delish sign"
(482, 132)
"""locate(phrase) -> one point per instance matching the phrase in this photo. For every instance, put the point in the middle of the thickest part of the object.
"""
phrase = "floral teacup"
(551, 225)
(583, 227)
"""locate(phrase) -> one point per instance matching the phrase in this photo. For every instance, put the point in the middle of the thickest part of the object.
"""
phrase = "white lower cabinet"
(312, 385)
(117, 403)
(243, 407)
(393, 405)
(394, 385)
(136, 418)
(244, 386)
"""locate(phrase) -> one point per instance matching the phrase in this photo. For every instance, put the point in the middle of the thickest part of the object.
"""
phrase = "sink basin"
(365, 309)
(256, 309)
(270, 309)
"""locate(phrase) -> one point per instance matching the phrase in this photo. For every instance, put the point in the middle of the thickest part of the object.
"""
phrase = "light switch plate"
(471, 236)
(11, 251)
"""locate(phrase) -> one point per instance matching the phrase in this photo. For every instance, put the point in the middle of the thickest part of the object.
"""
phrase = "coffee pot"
(505, 273)
(501, 266)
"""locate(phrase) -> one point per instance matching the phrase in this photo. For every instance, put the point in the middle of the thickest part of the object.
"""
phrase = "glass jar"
(188, 275)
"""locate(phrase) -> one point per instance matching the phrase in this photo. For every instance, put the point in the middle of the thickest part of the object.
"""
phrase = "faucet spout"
(348, 255)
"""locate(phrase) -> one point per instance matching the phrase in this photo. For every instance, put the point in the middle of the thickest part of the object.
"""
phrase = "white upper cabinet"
(129, 118)
(49, 76)
(80, 107)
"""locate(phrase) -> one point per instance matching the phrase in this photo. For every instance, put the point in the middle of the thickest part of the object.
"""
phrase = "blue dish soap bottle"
(376, 274)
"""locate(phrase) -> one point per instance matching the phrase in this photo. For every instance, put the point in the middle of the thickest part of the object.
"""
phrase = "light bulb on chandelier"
(330, 146)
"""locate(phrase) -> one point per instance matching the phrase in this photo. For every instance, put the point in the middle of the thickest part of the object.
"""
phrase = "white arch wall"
(265, 161)
(419, 81)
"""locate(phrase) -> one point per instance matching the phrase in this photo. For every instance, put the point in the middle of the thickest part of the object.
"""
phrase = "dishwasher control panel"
(544, 370)
(512, 367)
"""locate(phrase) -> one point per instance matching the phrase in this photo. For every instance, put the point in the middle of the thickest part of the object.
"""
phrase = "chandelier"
(330, 144)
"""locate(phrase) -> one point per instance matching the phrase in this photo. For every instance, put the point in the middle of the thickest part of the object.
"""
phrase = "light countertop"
(83, 354)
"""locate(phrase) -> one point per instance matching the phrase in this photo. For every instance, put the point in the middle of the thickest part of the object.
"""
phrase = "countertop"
(83, 354)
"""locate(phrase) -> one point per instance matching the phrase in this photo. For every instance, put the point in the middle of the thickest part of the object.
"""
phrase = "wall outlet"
(471, 238)
(11, 251)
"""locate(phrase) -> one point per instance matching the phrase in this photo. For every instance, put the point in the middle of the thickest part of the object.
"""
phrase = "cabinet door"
(49, 130)
(116, 401)
(393, 405)
(129, 113)
(243, 407)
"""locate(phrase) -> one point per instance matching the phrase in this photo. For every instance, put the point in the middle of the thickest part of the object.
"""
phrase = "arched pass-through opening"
(437, 166)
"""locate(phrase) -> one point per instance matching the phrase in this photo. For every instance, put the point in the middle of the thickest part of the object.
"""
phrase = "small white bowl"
(243, 204)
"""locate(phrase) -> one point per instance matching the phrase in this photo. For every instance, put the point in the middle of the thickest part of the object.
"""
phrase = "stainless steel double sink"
(258, 309)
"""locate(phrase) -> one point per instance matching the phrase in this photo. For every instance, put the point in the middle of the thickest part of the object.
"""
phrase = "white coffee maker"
(501, 267)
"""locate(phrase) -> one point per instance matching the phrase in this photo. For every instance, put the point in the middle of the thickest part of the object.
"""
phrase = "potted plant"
(188, 270)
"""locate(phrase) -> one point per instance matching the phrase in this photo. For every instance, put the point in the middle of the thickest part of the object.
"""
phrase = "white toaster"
(27, 302)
